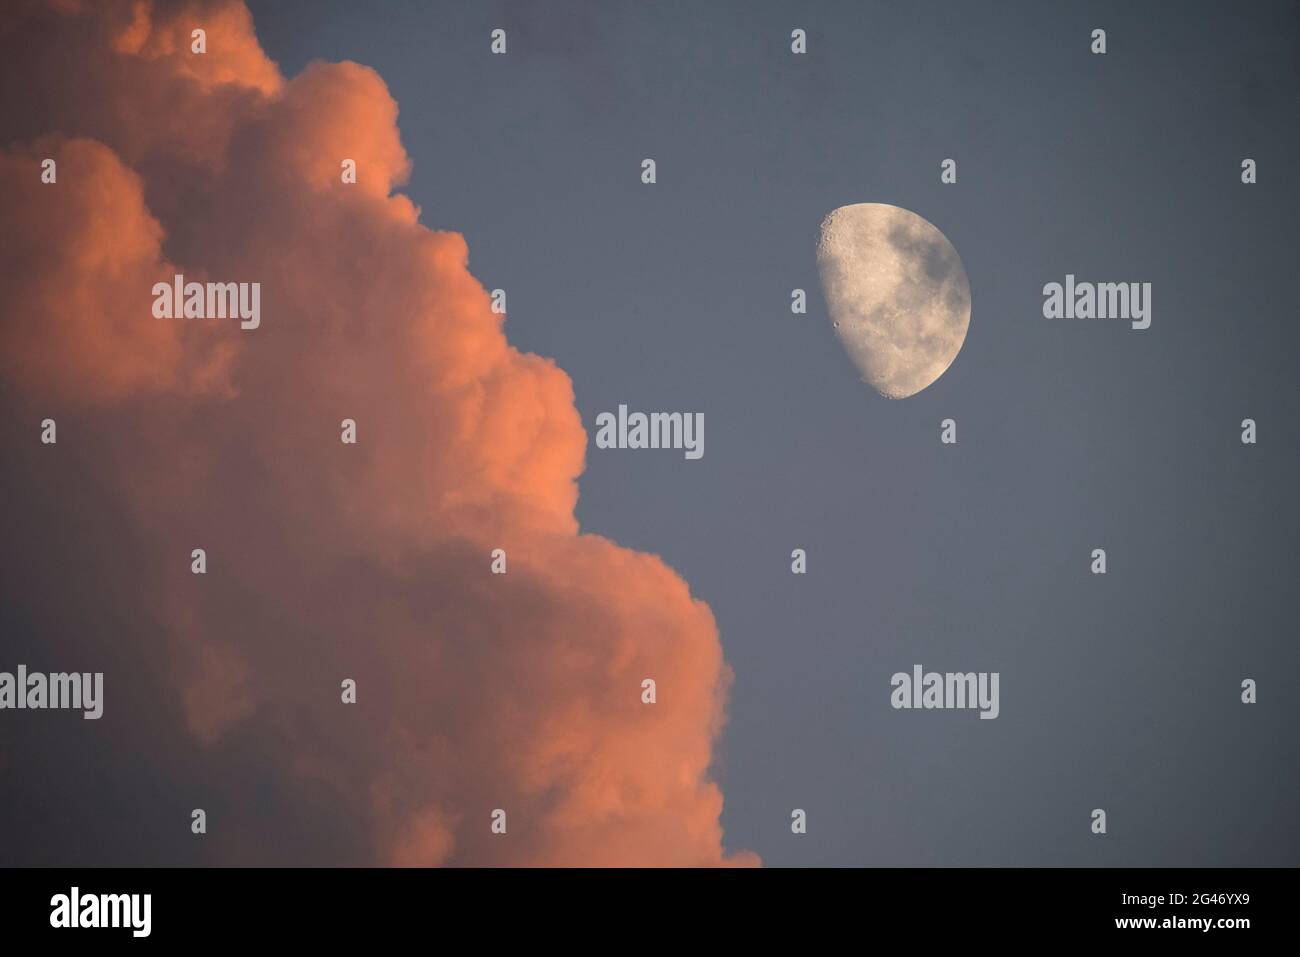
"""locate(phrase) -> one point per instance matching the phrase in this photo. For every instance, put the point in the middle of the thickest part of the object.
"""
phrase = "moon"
(897, 294)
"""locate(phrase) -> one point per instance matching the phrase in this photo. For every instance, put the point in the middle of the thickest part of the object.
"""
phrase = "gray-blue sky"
(1120, 691)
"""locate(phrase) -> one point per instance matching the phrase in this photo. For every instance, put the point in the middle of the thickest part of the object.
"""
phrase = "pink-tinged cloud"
(329, 561)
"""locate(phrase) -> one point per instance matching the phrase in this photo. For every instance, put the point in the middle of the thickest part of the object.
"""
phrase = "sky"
(1119, 691)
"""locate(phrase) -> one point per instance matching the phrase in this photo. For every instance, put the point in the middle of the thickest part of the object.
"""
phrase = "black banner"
(235, 906)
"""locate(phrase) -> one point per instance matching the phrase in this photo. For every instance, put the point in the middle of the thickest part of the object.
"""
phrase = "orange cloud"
(329, 561)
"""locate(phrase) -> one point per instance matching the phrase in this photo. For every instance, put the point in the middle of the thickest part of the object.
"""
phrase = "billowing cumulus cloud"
(326, 561)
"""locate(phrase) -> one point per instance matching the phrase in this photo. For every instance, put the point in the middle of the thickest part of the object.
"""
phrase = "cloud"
(325, 561)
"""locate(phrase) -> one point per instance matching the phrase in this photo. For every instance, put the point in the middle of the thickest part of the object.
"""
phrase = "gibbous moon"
(897, 294)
